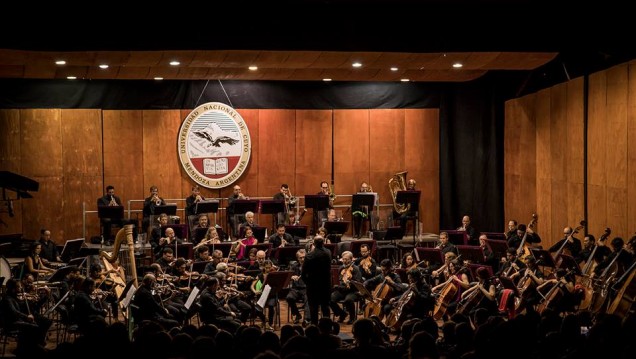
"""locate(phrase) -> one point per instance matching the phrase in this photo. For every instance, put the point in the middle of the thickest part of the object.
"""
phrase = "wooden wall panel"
(574, 152)
(82, 166)
(597, 142)
(123, 155)
(10, 160)
(558, 161)
(313, 152)
(351, 155)
(544, 166)
(46, 210)
(631, 148)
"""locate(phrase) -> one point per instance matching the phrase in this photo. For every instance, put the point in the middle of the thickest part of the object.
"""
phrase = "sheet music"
(261, 301)
(193, 295)
(129, 295)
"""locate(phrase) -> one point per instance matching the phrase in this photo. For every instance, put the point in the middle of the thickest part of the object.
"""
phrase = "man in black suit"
(214, 310)
(109, 200)
(280, 238)
(148, 308)
(298, 290)
(149, 206)
(316, 273)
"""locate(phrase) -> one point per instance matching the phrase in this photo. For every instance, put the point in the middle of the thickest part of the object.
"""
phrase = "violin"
(347, 274)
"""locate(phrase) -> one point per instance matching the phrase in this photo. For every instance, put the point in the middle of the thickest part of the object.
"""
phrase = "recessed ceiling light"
(253, 68)
(405, 80)
(458, 65)
(326, 80)
(103, 66)
(356, 64)
(60, 62)
(175, 63)
(71, 77)
(158, 78)
(394, 68)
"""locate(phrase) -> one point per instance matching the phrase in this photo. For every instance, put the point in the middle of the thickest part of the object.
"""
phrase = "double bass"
(562, 249)
(585, 280)
(624, 301)
(524, 249)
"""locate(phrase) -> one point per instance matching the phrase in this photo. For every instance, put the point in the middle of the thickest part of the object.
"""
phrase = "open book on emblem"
(215, 166)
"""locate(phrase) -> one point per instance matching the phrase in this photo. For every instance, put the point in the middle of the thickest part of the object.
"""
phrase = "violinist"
(257, 288)
(368, 266)
(148, 307)
(32, 327)
(37, 297)
(84, 308)
(167, 293)
(386, 277)
(216, 258)
(202, 254)
(345, 291)
(155, 233)
(484, 293)
(234, 296)
(298, 290)
(166, 259)
(214, 310)
(456, 276)
(186, 279)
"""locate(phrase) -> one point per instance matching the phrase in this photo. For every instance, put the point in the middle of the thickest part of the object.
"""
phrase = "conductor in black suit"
(316, 274)
(109, 199)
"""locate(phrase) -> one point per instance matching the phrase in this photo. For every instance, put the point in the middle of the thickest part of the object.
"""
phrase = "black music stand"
(412, 198)
(169, 209)
(457, 237)
(184, 250)
(207, 206)
(284, 255)
(261, 247)
(278, 281)
(110, 212)
(273, 207)
(297, 231)
(568, 262)
(318, 202)
(223, 247)
(259, 233)
(474, 254)
(432, 256)
(245, 205)
(59, 274)
(332, 247)
(473, 270)
(336, 229)
(496, 236)
(391, 250)
(199, 266)
(498, 248)
(71, 249)
(199, 234)
(543, 257)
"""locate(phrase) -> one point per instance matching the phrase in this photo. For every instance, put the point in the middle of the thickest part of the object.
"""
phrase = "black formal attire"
(148, 308)
(158, 248)
(422, 301)
(361, 214)
(507, 269)
(49, 250)
(297, 292)
(281, 216)
(231, 220)
(347, 294)
(212, 311)
(574, 247)
(367, 273)
(191, 205)
(149, 210)
(276, 240)
(316, 273)
(107, 223)
(396, 288)
(515, 241)
(473, 235)
(85, 310)
(13, 318)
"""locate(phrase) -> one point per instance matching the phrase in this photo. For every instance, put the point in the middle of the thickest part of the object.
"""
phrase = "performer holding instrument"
(345, 291)
(192, 200)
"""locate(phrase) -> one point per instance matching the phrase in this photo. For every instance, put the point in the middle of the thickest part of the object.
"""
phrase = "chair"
(5, 334)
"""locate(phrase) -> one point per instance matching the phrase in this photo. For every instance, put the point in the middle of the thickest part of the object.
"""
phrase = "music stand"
(277, 281)
(110, 212)
(496, 236)
(59, 274)
(169, 209)
(474, 254)
(359, 200)
(543, 257)
(185, 250)
(498, 248)
(273, 206)
(337, 229)
(223, 247)
(457, 237)
(199, 234)
(473, 270)
(332, 248)
(283, 255)
(412, 198)
(199, 266)
(318, 202)
(207, 206)
(261, 247)
(568, 262)
(245, 205)
(362, 290)
(71, 249)
(297, 231)
(431, 255)
(393, 233)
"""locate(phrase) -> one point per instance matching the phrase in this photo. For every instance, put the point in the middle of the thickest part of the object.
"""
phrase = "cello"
(395, 318)
(380, 295)
(585, 280)
(626, 296)
(446, 296)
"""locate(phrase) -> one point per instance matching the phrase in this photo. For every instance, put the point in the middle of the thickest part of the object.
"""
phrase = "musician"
(234, 218)
(567, 300)
(367, 265)
(167, 294)
(510, 265)
(485, 285)
(202, 222)
(344, 290)
(167, 257)
(618, 255)
(531, 239)
(442, 273)
(298, 290)
(238, 249)
(233, 295)
(169, 240)
(106, 286)
(316, 273)
(412, 212)
(257, 288)
(290, 204)
(588, 245)
(217, 257)
(470, 230)
(573, 244)
(214, 310)
(363, 213)
(31, 326)
(147, 307)
(512, 228)
(192, 200)
(390, 278)
(149, 206)
(489, 256)
(109, 199)
(84, 308)
(49, 248)
(459, 278)
(280, 238)
(320, 217)
(445, 245)
(249, 222)
(255, 259)
(202, 254)
(422, 302)
(37, 296)
(211, 237)
(528, 280)
(155, 233)
(34, 264)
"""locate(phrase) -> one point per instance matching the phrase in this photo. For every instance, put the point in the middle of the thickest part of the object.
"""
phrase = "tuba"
(398, 183)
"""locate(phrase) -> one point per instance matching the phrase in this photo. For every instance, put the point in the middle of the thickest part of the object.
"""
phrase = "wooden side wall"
(545, 155)
(74, 154)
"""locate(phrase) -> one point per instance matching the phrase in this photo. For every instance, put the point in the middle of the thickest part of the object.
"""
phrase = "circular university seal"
(214, 145)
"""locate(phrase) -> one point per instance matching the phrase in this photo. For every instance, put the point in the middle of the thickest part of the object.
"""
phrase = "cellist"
(459, 279)
(421, 301)
(484, 293)
(384, 286)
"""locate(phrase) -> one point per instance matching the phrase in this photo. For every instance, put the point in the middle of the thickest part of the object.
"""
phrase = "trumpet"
(112, 201)
(156, 199)
(198, 198)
